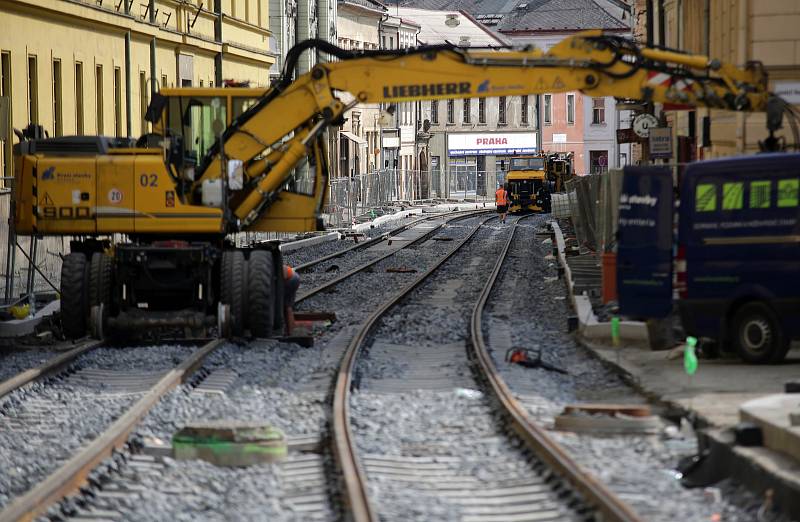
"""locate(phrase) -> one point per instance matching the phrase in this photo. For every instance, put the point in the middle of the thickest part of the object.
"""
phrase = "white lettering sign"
(788, 90)
(481, 143)
(559, 138)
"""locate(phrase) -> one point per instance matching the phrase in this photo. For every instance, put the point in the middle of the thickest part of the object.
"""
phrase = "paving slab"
(715, 392)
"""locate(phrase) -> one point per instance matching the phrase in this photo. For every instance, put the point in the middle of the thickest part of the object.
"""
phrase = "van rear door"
(644, 254)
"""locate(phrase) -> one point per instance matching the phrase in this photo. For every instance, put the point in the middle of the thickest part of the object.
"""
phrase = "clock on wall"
(643, 123)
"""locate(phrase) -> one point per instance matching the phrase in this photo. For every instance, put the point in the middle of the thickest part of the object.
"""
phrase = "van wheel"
(757, 334)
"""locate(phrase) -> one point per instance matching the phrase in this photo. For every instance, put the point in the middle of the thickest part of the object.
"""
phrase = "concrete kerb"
(442, 207)
(20, 327)
(291, 246)
(588, 326)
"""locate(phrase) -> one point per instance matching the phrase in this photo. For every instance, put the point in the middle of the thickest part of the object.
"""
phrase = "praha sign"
(482, 143)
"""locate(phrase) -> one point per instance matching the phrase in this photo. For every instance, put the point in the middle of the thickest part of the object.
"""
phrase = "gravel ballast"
(279, 383)
(44, 423)
(639, 468)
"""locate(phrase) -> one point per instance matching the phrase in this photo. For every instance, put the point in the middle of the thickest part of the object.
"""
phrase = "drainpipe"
(128, 80)
(218, 39)
(153, 75)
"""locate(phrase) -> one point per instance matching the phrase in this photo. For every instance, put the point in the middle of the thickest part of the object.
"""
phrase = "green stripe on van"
(788, 192)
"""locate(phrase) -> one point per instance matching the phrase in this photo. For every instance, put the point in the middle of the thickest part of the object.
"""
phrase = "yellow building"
(87, 66)
(734, 31)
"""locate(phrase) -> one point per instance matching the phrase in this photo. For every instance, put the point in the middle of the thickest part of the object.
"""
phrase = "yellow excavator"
(149, 219)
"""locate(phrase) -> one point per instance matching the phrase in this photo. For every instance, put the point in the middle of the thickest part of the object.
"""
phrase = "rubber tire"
(778, 346)
(262, 293)
(100, 280)
(74, 295)
(232, 279)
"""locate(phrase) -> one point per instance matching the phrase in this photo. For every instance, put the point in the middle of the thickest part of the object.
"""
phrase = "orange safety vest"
(287, 272)
(501, 196)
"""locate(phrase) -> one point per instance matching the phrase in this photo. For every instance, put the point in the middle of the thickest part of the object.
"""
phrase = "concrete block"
(20, 327)
(771, 414)
(230, 443)
(311, 241)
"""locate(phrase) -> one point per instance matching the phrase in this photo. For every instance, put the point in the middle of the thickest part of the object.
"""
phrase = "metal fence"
(353, 197)
(594, 208)
(30, 265)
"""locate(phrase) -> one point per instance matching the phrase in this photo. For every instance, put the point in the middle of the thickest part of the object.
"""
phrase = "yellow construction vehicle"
(208, 170)
(532, 178)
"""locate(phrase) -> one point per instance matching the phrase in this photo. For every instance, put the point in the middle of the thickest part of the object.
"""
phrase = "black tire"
(100, 274)
(757, 334)
(232, 288)
(74, 295)
(261, 285)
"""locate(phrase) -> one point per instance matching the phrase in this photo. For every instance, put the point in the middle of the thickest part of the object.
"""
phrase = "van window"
(788, 192)
(705, 197)
(759, 194)
(732, 196)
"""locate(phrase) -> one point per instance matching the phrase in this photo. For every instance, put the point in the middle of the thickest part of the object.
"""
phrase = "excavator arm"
(275, 134)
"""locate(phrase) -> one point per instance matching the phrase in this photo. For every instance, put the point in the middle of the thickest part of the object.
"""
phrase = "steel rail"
(594, 492)
(73, 474)
(377, 239)
(371, 262)
(50, 366)
(344, 446)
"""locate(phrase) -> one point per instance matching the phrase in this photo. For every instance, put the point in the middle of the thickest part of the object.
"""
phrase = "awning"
(352, 137)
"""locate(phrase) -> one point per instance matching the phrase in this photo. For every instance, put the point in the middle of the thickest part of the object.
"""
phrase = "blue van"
(738, 258)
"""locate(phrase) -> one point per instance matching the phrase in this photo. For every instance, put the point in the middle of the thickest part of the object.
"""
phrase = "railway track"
(308, 265)
(486, 462)
(69, 477)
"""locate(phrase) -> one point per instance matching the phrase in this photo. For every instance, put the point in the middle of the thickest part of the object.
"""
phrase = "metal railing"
(353, 198)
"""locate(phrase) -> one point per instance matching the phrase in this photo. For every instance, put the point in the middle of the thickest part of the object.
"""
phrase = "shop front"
(476, 161)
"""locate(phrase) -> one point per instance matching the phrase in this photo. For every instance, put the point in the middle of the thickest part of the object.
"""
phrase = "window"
(732, 196)
(435, 112)
(523, 102)
(143, 99)
(481, 110)
(705, 197)
(570, 109)
(759, 194)
(58, 116)
(5, 91)
(33, 90)
(466, 110)
(78, 98)
(451, 117)
(502, 111)
(598, 111)
(788, 192)
(117, 101)
(98, 86)
(548, 109)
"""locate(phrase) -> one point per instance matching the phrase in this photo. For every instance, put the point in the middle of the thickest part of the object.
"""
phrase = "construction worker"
(501, 198)
(291, 284)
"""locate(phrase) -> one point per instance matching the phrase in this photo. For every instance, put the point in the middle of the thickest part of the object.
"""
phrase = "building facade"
(734, 31)
(398, 146)
(78, 67)
(465, 145)
(358, 140)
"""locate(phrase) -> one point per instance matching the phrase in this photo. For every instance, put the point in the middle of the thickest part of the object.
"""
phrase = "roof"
(434, 28)
(529, 15)
(371, 5)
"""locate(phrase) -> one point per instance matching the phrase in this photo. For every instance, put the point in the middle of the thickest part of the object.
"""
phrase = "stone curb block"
(311, 241)
(20, 327)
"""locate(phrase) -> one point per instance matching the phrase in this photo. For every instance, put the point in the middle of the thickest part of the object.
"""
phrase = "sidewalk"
(716, 396)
